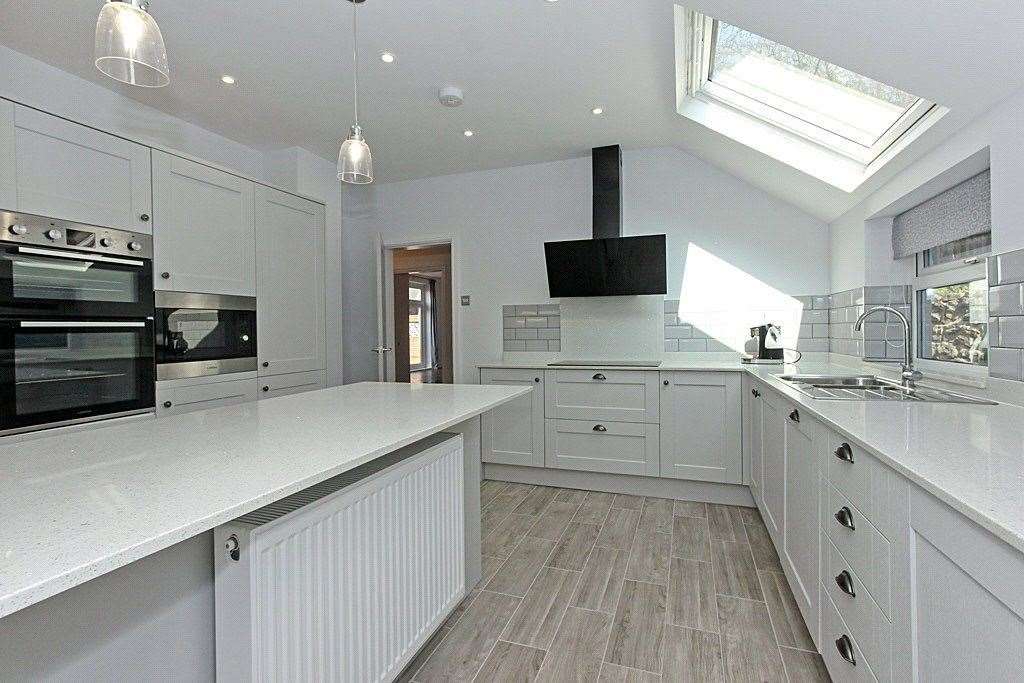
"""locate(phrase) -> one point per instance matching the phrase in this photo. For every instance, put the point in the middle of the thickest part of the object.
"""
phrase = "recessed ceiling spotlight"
(597, 111)
(552, 1)
(227, 80)
(387, 57)
(468, 133)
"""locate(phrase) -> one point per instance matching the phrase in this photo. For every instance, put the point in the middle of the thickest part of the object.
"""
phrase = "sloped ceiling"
(531, 71)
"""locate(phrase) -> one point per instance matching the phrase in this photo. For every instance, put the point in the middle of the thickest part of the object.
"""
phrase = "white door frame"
(386, 302)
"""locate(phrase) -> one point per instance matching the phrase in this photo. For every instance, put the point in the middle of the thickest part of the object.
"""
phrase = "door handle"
(600, 377)
(381, 350)
(845, 647)
(600, 428)
(845, 583)
(845, 453)
(795, 416)
(845, 517)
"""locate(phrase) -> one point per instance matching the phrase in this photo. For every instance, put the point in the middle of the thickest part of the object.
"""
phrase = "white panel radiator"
(346, 580)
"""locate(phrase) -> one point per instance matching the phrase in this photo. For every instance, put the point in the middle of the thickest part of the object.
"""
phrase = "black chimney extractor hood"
(609, 264)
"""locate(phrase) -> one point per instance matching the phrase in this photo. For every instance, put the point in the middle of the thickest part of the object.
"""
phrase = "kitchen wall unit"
(289, 283)
(204, 229)
(700, 426)
(513, 434)
(56, 168)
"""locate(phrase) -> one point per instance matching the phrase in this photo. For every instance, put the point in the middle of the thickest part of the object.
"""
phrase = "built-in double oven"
(76, 323)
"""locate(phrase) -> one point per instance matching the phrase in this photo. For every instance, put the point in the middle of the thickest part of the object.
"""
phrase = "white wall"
(500, 220)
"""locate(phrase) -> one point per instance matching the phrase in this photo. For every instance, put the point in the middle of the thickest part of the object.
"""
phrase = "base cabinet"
(175, 397)
(513, 433)
(773, 490)
(615, 447)
(701, 437)
(754, 419)
(800, 536)
(296, 383)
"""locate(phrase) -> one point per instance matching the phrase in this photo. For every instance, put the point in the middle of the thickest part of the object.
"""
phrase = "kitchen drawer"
(294, 383)
(612, 395)
(864, 480)
(175, 398)
(864, 547)
(616, 447)
(834, 631)
(868, 625)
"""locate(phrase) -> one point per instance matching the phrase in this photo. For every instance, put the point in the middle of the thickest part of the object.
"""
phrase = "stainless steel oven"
(204, 334)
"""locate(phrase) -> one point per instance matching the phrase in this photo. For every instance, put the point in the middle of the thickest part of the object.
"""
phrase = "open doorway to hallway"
(422, 307)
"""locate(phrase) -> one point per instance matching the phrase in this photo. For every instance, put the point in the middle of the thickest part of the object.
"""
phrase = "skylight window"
(810, 111)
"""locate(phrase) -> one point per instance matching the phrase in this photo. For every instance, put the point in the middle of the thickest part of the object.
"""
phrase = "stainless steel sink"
(872, 388)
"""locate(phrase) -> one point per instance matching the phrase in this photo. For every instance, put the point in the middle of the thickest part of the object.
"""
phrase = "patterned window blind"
(961, 211)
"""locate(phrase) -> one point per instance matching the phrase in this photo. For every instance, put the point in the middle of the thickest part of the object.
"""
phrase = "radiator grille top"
(280, 508)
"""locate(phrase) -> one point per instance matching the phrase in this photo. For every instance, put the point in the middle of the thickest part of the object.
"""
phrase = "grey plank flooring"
(594, 586)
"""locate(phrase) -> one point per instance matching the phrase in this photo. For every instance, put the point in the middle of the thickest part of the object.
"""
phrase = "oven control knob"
(134, 246)
(18, 229)
(54, 234)
(106, 242)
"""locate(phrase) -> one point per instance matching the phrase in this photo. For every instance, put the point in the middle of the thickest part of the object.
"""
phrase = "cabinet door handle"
(794, 416)
(266, 364)
(665, 382)
(536, 379)
(600, 377)
(845, 453)
(167, 404)
(755, 393)
(845, 583)
(144, 218)
(845, 517)
(600, 428)
(266, 388)
(845, 647)
(165, 275)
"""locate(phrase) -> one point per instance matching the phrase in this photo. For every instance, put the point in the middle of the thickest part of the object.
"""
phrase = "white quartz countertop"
(696, 364)
(75, 506)
(969, 456)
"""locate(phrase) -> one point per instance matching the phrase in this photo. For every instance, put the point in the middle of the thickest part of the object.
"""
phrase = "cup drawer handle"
(845, 517)
(845, 453)
(600, 428)
(845, 583)
(845, 647)
(599, 377)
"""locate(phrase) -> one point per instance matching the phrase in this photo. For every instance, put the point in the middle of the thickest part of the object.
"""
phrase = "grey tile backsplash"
(814, 328)
(882, 335)
(1006, 311)
(531, 327)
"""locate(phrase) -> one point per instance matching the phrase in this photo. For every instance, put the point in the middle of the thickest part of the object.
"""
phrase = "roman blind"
(960, 211)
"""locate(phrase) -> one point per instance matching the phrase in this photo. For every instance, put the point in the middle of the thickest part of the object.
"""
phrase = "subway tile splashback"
(532, 327)
(1006, 311)
(813, 333)
(882, 335)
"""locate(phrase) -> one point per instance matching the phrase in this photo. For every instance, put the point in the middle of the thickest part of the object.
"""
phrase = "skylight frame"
(701, 34)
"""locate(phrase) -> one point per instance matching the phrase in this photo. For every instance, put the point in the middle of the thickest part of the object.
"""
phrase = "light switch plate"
(465, 299)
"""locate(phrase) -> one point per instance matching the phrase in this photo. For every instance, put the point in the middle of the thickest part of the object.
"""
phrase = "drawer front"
(868, 625)
(616, 447)
(864, 547)
(834, 635)
(864, 480)
(295, 383)
(185, 399)
(612, 395)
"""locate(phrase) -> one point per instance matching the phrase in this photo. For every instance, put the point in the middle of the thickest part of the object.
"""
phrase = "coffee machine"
(764, 346)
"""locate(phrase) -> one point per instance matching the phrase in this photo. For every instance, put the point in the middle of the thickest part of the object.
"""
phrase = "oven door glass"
(204, 336)
(41, 281)
(69, 371)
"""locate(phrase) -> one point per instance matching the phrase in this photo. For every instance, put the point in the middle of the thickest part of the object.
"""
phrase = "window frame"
(425, 306)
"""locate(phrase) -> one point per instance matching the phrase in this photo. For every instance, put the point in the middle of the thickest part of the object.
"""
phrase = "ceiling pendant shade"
(129, 45)
(355, 163)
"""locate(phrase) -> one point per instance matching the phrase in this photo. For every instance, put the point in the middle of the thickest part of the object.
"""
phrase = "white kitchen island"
(133, 504)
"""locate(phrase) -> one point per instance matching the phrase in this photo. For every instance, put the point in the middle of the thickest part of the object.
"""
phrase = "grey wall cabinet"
(513, 433)
(289, 283)
(53, 167)
(701, 434)
(204, 228)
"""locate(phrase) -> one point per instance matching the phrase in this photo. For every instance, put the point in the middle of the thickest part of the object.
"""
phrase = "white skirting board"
(344, 581)
(658, 487)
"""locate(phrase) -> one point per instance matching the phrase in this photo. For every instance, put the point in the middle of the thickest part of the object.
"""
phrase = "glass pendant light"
(355, 163)
(129, 45)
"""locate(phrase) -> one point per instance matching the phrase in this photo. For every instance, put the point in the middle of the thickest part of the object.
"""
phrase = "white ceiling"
(531, 70)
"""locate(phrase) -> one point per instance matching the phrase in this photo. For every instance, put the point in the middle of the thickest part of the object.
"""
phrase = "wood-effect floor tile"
(521, 568)
(726, 522)
(765, 556)
(490, 519)
(571, 496)
(461, 608)
(649, 557)
(692, 602)
(490, 566)
(613, 673)
(749, 515)
(639, 627)
(790, 628)
(734, 569)
(601, 584)
(463, 651)
(689, 508)
(576, 653)
(749, 650)
(553, 521)
(690, 655)
(656, 515)
(691, 539)
(536, 500)
(422, 655)
(595, 508)
(574, 547)
(804, 667)
(501, 541)
(628, 502)
(619, 528)
(489, 490)
(537, 618)
(511, 662)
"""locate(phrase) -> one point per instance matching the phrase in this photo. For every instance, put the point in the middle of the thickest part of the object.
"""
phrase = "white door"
(385, 348)
(700, 426)
(773, 438)
(204, 235)
(289, 283)
(801, 538)
(513, 433)
(59, 169)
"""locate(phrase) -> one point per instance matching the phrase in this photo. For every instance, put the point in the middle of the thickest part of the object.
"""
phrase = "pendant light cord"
(355, 59)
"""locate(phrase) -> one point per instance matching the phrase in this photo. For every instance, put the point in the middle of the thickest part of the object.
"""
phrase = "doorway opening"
(422, 314)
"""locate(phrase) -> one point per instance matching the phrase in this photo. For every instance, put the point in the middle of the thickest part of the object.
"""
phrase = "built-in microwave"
(204, 334)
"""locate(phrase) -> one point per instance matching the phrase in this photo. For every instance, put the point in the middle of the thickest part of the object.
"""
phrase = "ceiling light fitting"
(468, 133)
(129, 46)
(597, 111)
(387, 57)
(450, 96)
(355, 163)
(227, 80)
